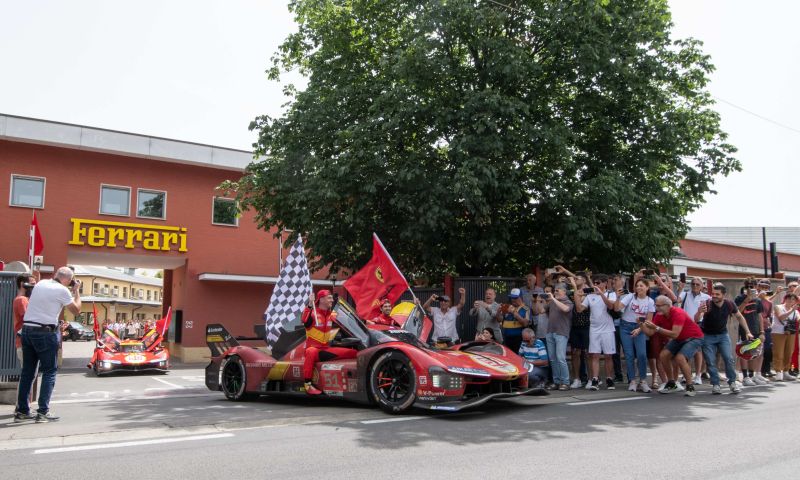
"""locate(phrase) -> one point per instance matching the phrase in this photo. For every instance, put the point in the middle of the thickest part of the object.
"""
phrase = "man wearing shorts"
(686, 339)
(601, 331)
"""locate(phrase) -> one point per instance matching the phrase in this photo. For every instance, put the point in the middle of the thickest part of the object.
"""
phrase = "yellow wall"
(116, 301)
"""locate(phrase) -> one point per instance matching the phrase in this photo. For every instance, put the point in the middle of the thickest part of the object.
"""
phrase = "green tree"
(482, 138)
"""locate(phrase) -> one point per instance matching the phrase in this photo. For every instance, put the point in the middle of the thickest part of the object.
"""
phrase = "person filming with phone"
(40, 340)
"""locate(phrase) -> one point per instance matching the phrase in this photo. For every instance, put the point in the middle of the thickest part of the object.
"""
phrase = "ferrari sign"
(100, 233)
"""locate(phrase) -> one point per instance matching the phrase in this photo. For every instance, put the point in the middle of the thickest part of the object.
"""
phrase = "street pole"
(764, 237)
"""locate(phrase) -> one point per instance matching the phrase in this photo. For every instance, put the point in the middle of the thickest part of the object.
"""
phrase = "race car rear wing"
(218, 339)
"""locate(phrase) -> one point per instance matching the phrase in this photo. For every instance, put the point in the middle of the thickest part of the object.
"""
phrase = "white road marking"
(593, 402)
(388, 420)
(166, 382)
(155, 441)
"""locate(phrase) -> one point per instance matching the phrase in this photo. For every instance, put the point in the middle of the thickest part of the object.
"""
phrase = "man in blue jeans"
(713, 319)
(559, 311)
(40, 341)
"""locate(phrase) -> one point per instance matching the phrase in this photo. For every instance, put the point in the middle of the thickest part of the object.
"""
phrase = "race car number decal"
(423, 380)
(135, 358)
(495, 364)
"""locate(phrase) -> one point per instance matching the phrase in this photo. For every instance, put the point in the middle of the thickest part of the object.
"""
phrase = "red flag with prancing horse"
(378, 279)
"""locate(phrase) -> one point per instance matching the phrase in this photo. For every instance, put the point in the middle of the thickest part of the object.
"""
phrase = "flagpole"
(31, 240)
(413, 295)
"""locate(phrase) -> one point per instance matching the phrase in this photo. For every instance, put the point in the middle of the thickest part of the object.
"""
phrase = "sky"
(194, 71)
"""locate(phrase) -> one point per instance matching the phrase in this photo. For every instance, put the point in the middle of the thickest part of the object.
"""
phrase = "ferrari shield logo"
(379, 274)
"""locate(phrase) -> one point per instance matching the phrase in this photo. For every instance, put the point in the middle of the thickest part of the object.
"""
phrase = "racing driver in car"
(319, 330)
(384, 318)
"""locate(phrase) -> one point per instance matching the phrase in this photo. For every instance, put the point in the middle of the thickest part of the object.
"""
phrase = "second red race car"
(112, 354)
(394, 368)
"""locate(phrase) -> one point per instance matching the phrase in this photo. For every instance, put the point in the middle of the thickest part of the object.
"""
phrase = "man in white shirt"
(40, 340)
(690, 302)
(444, 316)
(601, 331)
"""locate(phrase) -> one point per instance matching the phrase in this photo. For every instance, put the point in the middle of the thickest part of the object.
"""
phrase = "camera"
(682, 278)
(588, 290)
(624, 291)
(753, 291)
(74, 282)
(649, 273)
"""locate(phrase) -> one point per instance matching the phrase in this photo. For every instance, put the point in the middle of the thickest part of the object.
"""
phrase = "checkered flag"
(290, 294)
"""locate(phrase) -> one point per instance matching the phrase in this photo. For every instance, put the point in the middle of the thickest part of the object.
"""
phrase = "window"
(151, 204)
(225, 212)
(115, 200)
(122, 316)
(115, 291)
(96, 288)
(27, 192)
(149, 295)
(124, 292)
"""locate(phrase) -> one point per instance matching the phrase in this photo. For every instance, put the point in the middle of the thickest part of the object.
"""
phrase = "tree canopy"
(482, 137)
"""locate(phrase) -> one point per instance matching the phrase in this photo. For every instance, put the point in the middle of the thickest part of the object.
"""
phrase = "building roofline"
(47, 132)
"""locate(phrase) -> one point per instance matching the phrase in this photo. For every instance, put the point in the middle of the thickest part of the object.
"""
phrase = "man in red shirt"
(384, 318)
(686, 339)
(20, 306)
(320, 330)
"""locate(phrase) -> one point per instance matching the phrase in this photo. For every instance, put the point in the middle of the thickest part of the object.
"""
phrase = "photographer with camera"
(750, 307)
(444, 316)
(784, 330)
(515, 318)
(40, 340)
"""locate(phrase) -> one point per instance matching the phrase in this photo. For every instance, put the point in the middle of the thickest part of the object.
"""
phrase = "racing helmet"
(748, 350)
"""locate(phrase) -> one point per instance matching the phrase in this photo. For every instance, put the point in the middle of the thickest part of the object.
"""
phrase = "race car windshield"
(136, 347)
(349, 321)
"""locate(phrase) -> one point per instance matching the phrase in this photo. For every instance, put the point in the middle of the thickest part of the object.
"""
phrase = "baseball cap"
(514, 293)
(764, 282)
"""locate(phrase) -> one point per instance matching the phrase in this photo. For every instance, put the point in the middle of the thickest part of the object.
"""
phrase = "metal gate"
(9, 367)
(475, 288)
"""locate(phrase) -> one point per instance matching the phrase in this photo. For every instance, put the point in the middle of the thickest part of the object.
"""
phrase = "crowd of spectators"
(657, 335)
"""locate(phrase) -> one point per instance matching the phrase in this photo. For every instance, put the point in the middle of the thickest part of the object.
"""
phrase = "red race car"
(393, 368)
(113, 354)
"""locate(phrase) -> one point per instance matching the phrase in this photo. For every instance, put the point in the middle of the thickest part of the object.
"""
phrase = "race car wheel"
(234, 380)
(393, 382)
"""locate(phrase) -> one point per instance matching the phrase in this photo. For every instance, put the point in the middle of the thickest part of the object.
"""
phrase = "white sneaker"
(788, 377)
(778, 377)
(644, 387)
(698, 380)
(748, 382)
(632, 386)
(759, 380)
(735, 388)
(576, 383)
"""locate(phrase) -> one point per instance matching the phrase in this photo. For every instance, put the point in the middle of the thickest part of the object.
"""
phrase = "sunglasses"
(597, 283)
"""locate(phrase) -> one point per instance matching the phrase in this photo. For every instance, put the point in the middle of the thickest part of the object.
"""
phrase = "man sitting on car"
(319, 326)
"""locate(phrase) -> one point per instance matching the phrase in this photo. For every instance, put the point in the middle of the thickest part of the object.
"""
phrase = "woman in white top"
(784, 330)
(637, 307)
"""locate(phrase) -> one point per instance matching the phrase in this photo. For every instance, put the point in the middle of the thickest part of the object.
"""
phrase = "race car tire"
(96, 370)
(234, 380)
(393, 382)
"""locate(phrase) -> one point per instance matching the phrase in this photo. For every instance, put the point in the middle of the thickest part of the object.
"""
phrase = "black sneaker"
(23, 417)
(689, 391)
(610, 384)
(619, 378)
(669, 387)
(46, 417)
(594, 385)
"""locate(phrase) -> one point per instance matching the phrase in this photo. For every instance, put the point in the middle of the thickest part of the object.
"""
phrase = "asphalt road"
(161, 426)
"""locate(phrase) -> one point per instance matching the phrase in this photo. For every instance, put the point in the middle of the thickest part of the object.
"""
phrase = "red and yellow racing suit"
(319, 332)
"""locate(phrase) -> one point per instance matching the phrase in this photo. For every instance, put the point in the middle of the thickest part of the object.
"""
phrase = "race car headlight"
(447, 381)
(106, 364)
